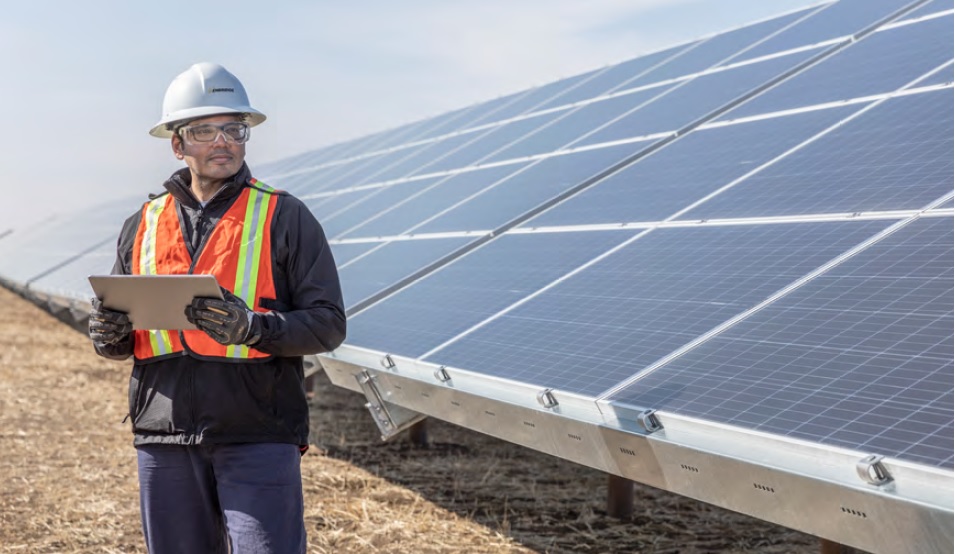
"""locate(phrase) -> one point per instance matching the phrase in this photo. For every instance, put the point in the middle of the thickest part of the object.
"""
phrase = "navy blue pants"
(239, 498)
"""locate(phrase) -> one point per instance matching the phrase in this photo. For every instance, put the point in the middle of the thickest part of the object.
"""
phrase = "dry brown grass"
(67, 470)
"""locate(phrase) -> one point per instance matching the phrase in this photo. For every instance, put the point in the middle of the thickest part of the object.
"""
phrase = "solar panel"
(642, 302)
(615, 77)
(527, 189)
(45, 246)
(70, 279)
(346, 252)
(573, 124)
(363, 170)
(932, 7)
(859, 357)
(896, 156)
(372, 204)
(838, 20)
(487, 142)
(416, 209)
(714, 50)
(387, 263)
(661, 185)
(481, 112)
(533, 98)
(417, 159)
(880, 63)
(477, 286)
(694, 99)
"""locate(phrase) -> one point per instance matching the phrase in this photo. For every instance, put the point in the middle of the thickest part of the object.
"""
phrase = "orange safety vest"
(238, 251)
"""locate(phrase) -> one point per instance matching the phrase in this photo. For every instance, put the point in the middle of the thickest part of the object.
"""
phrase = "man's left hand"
(227, 321)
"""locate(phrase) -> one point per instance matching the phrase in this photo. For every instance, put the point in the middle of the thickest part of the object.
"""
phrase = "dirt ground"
(67, 470)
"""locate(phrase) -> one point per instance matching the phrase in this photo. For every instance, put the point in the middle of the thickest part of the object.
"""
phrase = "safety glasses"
(234, 131)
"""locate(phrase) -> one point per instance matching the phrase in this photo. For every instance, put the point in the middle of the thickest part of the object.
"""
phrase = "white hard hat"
(202, 90)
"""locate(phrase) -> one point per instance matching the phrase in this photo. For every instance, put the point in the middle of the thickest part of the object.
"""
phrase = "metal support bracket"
(871, 470)
(648, 420)
(547, 399)
(390, 418)
(441, 374)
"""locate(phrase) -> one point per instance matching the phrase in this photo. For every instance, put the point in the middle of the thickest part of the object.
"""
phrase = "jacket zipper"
(195, 258)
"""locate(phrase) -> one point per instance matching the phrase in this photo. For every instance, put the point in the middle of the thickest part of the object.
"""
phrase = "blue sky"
(83, 81)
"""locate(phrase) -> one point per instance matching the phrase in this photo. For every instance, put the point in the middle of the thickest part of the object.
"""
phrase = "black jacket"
(184, 400)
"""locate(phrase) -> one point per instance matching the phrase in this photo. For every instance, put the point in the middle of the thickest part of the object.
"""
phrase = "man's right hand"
(108, 326)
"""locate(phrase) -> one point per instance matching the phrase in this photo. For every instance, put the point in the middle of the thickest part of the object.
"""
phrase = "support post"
(620, 495)
(418, 434)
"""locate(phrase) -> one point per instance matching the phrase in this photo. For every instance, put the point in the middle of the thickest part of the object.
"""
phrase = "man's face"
(216, 160)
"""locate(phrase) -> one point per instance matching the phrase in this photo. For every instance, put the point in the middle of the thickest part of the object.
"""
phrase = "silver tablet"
(154, 301)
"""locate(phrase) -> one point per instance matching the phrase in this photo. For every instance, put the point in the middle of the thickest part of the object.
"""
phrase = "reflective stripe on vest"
(250, 256)
(159, 340)
(237, 251)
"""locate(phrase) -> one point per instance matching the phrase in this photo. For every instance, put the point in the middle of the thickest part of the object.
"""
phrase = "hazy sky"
(82, 82)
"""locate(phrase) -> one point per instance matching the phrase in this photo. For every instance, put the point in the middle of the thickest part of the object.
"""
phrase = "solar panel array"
(753, 228)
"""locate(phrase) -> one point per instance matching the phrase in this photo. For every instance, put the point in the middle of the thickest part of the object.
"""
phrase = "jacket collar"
(179, 186)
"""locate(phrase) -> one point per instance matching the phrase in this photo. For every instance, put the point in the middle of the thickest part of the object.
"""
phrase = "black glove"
(227, 321)
(108, 326)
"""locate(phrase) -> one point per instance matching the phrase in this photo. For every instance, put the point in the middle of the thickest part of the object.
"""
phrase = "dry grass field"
(67, 470)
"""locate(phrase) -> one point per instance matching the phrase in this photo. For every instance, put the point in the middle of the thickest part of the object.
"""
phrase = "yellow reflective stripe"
(147, 252)
(160, 342)
(250, 256)
(263, 186)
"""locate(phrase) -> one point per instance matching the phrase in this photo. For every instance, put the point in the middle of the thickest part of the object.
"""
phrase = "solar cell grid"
(363, 170)
(714, 50)
(944, 76)
(327, 207)
(472, 288)
(336, 152)
(314, 204)
(387, 264)
(638, 305)
(474, 115)
(487, 142)
(881, 63)
(535, 97)
(573, 124)
(346, 252)
(71, 279)
(373, 204)
(837, 20)
(896, 156)
(693, 99)
(419, 158)
(686, 170)
(41, 247)
(414, 210)
(403, 133)
(934, 6)
(615, 77)
(301, 184)
(860, 357)
(526, 190)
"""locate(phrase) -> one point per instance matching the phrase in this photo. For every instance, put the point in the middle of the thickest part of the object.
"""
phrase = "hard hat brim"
(162, 128)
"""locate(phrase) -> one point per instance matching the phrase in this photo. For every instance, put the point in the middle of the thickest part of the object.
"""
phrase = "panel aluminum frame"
(826, 491)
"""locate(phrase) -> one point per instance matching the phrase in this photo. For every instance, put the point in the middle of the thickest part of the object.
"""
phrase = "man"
(219, 413)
